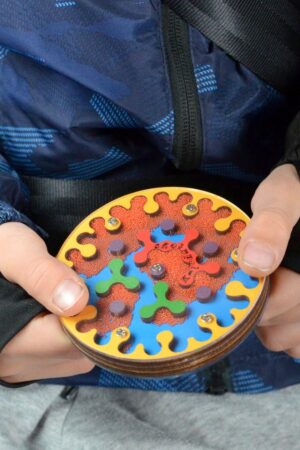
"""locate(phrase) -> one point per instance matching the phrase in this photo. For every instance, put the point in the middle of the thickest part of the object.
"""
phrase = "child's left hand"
(276, 209)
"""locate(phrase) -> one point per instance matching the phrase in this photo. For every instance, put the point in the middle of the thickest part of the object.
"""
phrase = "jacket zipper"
(187, 144)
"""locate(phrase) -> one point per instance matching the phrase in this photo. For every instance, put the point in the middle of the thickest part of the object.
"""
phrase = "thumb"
(276, 209)
(24, 260)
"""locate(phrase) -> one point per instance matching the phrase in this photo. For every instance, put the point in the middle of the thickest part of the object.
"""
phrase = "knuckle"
(279, 216)
(279, 219)
(37, 275)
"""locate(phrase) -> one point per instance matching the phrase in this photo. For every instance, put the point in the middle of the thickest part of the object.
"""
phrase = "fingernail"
(66, 294)
(259, 256)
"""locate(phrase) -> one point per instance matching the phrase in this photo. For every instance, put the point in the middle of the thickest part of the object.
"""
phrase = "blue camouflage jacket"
(93, 88)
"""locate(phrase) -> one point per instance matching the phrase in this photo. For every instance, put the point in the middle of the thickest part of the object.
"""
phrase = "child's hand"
(279, 328)
(276, 209)
(41, 349)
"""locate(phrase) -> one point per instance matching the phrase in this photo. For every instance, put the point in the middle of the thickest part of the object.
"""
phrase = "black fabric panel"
(17, 309)
(292, 145)
(292, 156)
(292, 256)
(264, 36)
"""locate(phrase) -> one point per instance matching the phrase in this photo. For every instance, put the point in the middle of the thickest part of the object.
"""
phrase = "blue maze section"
(146, 333)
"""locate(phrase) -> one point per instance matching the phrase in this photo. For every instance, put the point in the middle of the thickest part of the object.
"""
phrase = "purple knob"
(116, 247)
(157, 271)
(203, 294)
(117, 308)
(168, 226)
(210, 248)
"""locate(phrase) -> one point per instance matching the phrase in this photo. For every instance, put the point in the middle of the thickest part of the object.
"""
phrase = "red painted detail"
(144, 237)
(211, 268)
(187, 279)
(166, 246)
(190, 236)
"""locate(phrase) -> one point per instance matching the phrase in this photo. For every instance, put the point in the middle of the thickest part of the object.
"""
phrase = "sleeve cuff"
(10, 214)
(16, 306)
(16, 385)
(17, 309)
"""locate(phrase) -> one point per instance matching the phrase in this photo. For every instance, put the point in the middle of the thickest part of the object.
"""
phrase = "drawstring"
(69, 392)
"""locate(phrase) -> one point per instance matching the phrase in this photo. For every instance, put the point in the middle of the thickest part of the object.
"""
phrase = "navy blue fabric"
(10, 214)
(193, 382)
(85, 93)
(244, 119)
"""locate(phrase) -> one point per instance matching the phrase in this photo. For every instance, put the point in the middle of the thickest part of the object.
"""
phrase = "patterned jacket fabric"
(85, 92)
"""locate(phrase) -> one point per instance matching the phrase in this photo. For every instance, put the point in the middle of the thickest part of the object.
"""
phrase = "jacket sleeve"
(14, 197)
(17, 308)
(292, 144)
(292, 156)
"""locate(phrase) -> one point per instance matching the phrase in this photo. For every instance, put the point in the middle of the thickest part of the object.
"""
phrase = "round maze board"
(166, 293)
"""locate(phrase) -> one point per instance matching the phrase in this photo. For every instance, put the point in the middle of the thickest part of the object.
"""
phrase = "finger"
(284, 295)
(291, 316)
(294, 352)
(279, 338)
(24, 260)
(276, 209)
(60, 370)
(41, 342)
(42, 338)
(12, 367)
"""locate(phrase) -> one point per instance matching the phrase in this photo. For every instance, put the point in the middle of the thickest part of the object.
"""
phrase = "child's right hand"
(41, 349)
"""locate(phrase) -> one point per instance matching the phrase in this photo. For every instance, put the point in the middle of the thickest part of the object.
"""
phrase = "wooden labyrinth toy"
(166, 293)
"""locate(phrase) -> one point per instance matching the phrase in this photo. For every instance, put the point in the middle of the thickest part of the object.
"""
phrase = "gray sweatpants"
(37, 417)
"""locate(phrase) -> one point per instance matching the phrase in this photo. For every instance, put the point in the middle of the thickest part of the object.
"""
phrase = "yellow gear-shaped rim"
(110, 353)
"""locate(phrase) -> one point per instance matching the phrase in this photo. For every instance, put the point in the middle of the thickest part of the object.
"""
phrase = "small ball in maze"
(168, 226)
(118, 308)
(203, 294)
(116, 247)
(210, 248)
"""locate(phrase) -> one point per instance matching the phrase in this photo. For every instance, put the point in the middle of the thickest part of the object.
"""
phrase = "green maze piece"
(116, 266)
(176, 307)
